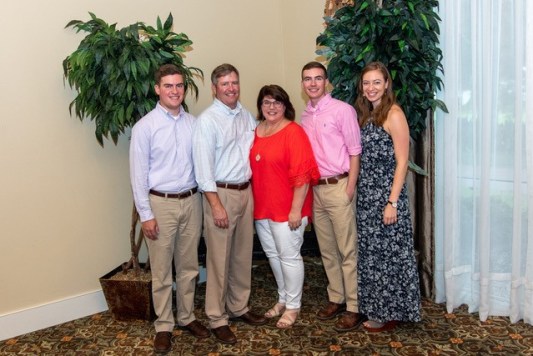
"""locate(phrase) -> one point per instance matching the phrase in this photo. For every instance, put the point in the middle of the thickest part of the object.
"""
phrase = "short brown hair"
(222, 70)
(279, 94)
(166, 69)
(315, 64)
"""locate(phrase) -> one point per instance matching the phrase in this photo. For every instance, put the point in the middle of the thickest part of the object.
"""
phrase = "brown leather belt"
(332, 180)
(236, 186)
(181, 195)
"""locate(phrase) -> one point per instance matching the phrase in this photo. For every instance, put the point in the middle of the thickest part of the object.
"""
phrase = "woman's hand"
(295, 220)
(390, 215)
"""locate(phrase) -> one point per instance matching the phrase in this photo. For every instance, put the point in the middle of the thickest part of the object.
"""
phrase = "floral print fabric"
(387, 270)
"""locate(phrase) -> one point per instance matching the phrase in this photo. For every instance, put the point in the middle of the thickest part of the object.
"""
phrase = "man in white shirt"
(222, 139)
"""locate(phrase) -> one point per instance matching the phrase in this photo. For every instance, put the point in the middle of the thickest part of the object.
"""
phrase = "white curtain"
(484, 159)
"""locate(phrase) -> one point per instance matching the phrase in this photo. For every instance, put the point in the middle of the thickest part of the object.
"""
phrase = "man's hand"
(150, 229)
(350, 192)
(220, 217)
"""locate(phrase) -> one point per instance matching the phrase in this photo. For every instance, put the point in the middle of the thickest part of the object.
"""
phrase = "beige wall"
(65, 202)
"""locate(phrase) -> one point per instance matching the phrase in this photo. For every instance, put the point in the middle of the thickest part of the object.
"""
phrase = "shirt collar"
(227, 109)
(324, 101)
(168, 114)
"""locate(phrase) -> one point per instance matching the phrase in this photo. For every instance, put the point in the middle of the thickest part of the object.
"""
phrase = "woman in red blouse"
(283, 169)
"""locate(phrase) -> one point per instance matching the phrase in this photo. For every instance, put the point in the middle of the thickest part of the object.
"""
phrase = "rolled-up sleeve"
(203, 152)
(350, 131)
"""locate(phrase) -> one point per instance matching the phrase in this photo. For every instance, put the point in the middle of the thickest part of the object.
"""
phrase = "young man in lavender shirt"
(169, 207)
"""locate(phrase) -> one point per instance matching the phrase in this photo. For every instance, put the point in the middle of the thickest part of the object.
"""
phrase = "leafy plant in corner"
(112, 70)
(403, 34)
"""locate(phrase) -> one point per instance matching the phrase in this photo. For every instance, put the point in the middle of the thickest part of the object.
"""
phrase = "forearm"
(299, 194)
(214, 200)
(398, 181)
(353, 174)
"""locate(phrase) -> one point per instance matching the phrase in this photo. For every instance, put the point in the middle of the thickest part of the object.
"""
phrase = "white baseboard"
(58, 312)
(54, 313)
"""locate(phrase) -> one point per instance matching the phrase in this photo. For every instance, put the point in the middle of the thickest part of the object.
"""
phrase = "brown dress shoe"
(251, 318)
(197, 329)
(330, 310)
(224, 334)
(349, 321)
(162, 342)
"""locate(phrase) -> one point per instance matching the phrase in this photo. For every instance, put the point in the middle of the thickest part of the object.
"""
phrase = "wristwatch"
(393, 203)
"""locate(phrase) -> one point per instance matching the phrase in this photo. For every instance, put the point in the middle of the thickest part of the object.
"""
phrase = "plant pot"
(128, 297)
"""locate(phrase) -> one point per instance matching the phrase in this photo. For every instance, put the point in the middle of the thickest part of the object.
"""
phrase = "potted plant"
(403, 34)
(112, 71)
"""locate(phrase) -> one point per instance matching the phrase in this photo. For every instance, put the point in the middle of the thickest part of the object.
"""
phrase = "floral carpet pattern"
(439, 333)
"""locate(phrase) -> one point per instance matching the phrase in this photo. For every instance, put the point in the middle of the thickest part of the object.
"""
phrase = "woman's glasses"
(267, 103)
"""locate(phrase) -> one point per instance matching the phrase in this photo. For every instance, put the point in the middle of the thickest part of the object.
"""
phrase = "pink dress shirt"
(334, 134)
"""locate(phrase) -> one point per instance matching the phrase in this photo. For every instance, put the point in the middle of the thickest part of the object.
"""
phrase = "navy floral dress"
(387, 271)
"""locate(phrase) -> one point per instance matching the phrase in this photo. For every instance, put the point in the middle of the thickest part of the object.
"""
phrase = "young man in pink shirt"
(333, 131)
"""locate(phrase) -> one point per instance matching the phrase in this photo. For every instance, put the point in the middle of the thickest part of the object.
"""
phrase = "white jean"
(282, 247)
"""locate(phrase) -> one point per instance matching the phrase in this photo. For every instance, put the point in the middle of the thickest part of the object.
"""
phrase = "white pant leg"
(262, 227)
(283, 246)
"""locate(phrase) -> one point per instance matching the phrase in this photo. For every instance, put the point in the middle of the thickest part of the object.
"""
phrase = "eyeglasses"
(267, 103)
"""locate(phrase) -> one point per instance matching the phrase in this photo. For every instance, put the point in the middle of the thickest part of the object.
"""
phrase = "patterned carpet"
(439, 333)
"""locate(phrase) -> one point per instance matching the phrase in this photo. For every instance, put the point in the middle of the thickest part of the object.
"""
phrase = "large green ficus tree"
(403, 34)
(113, 69)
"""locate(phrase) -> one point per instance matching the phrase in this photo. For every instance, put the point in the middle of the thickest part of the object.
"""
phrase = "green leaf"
(441, 105)
(112, 72)
(168, 23)
(133, 66)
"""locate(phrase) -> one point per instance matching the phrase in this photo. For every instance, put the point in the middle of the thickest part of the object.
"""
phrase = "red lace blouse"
(279, 163)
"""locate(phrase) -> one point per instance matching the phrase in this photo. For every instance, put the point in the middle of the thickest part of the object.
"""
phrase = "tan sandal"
(288, 319)
(276, 310)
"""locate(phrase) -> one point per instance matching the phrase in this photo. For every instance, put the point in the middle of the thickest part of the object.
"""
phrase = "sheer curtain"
(484, 159)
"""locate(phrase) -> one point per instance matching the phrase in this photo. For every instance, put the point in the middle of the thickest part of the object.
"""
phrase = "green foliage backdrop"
(113, 71)
(403, 34)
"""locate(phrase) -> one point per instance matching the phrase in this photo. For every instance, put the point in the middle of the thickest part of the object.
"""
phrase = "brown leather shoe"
(349, 321)
(162, 342)
(330, 310)
(224, 334)
(251, 318)
(197, 329)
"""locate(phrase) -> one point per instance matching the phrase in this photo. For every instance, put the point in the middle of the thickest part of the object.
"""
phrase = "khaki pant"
(334, 223)
(180, 228)
(229, 257)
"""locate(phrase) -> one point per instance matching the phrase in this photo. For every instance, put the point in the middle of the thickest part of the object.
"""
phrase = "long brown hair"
(364, 108)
